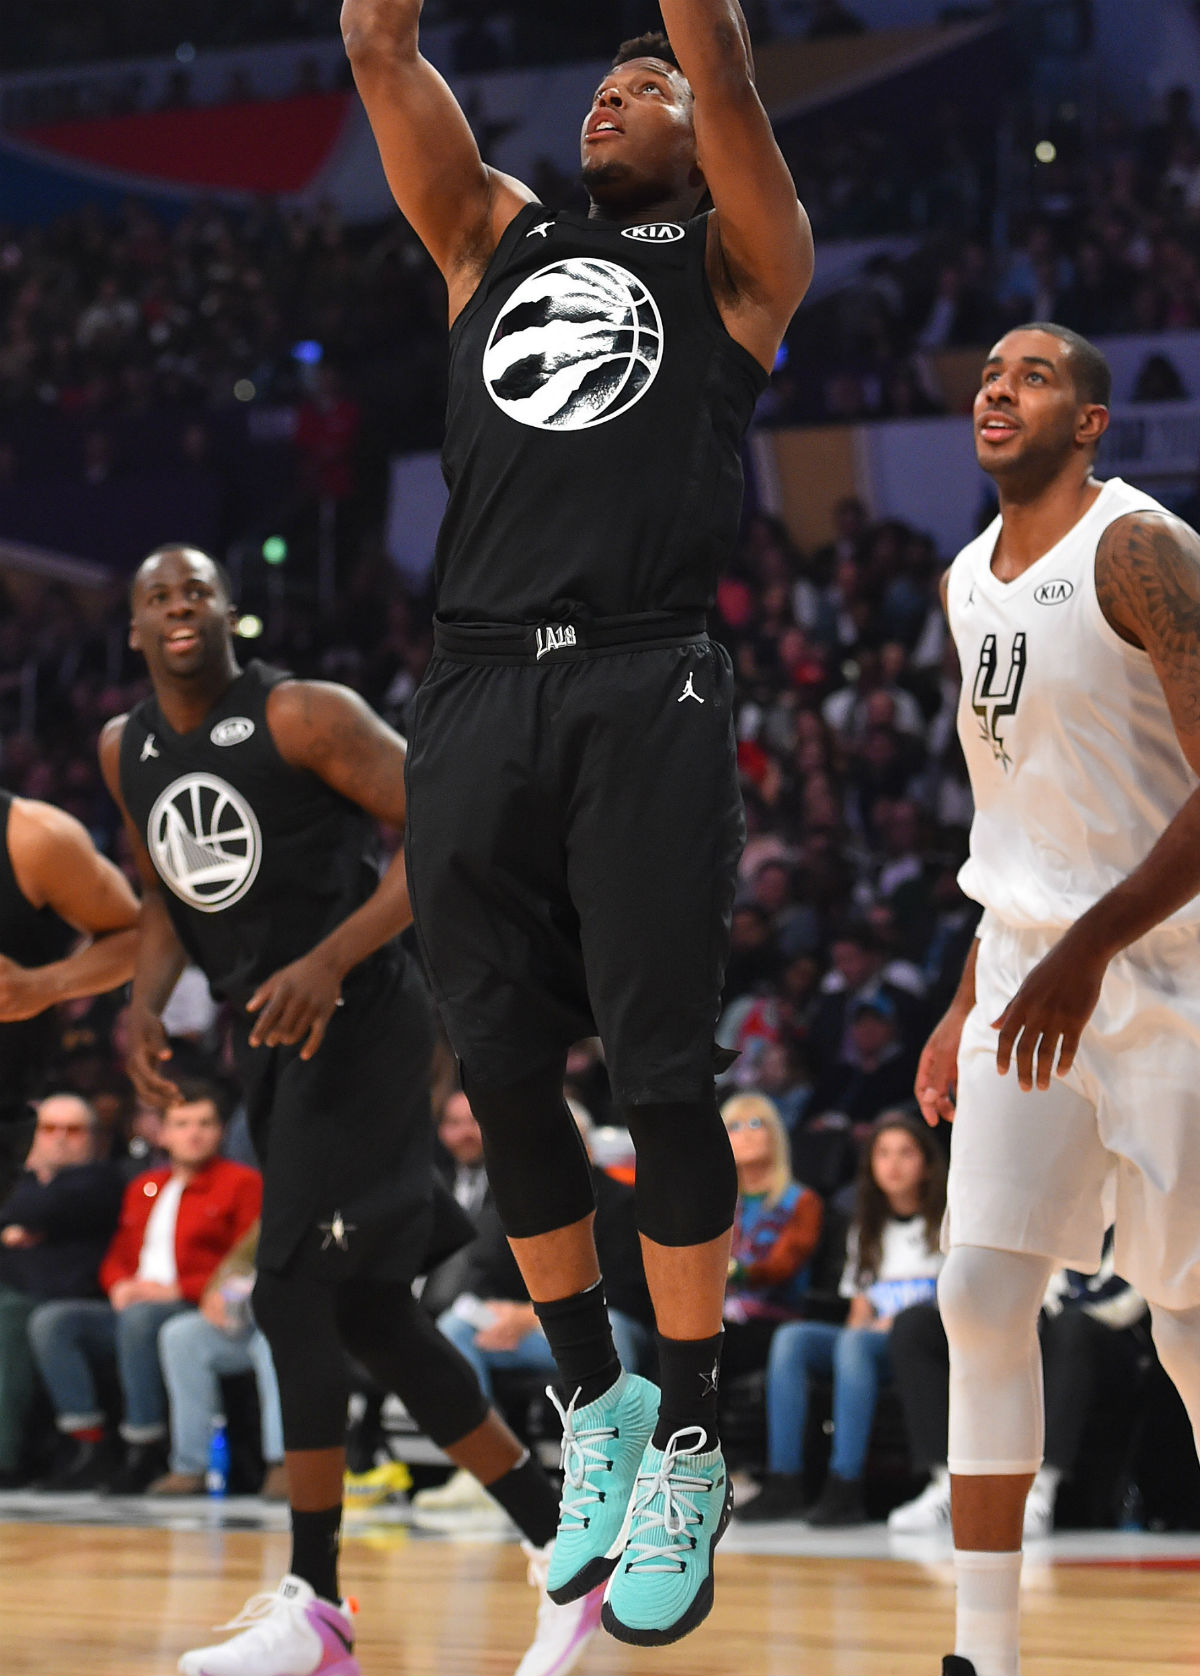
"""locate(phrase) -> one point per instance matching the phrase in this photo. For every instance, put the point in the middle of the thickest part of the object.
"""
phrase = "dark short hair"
(653, 44)
(223, 576)
(1090, 372)
(214, 1091)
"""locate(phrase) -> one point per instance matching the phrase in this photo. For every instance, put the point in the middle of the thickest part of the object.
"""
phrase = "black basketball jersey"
(596, 414)
(260, 860)
(32, 937)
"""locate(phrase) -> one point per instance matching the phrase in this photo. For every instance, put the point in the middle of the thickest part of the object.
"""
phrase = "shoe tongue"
(295, 1588)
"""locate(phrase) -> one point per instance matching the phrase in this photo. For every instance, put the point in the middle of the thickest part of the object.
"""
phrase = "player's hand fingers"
(1070, 1046)
(271, 1005)
(1009, 1026)
(1026, 1047)
(316, 1034)
(1045, 1058)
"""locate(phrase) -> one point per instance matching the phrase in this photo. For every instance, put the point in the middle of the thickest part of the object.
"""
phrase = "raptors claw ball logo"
(206, 842)
(577, 344)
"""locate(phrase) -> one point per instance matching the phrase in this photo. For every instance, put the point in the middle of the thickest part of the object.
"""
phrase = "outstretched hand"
(1044, 1020)
(295, 1004)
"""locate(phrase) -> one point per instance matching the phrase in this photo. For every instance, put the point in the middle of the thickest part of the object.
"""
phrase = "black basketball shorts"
(574, 830)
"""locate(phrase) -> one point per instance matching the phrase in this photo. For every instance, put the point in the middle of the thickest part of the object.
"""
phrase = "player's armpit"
(1148, 586)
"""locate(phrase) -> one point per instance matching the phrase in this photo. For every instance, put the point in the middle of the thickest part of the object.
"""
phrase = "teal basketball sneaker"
(602, 1448)
(663, 1583)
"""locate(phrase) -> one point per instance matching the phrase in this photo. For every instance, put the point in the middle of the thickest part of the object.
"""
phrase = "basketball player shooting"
(1077, 620)
(574, 815)
(250, 801)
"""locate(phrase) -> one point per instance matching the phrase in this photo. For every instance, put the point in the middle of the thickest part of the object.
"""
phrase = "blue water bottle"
(216, 1479)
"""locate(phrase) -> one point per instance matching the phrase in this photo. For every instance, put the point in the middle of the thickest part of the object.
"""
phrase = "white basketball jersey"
(1074, 763)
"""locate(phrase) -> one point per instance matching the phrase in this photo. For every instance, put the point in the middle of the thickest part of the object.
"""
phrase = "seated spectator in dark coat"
(55, 1227)
(177, 1224)
(775, 1231)
(874, 1073)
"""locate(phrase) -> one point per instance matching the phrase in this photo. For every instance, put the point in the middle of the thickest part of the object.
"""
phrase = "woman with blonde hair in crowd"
(775, 1231)
(892, 1263)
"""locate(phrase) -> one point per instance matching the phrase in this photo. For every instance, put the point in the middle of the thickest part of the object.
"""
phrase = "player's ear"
(1093, 422)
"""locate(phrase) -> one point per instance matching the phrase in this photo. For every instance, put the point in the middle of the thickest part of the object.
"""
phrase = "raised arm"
(457, 205)
(760, 252)
(57, 866)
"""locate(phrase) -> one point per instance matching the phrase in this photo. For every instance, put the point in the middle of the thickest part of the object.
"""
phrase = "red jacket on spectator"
(215, 1209)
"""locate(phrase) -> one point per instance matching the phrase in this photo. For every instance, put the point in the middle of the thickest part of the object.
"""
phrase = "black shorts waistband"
(562, 642)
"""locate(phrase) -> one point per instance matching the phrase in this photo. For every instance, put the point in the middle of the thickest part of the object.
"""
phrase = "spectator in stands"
(892, 1262)
(775, 1232)
(1093, 1339)
(1158, 380)
(177, 1223)
(55, 1226)
(197, 1350)
(874, 1073)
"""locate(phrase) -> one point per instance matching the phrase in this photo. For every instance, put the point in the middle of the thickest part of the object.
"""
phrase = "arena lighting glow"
(249, 627)
(309, 353)
(244, 390)
(1045, 151)
(185, 53)
(781, 359)
(274, 549)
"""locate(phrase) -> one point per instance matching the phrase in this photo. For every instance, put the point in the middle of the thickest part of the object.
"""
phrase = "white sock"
(988, 1623)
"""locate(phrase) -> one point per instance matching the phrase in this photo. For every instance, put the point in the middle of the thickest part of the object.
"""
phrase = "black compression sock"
(526, 1495)
(580, 1336)
(688, 1372)
(315, 1541)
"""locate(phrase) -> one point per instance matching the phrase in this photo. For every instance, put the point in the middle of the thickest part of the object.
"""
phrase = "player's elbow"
(375, 29)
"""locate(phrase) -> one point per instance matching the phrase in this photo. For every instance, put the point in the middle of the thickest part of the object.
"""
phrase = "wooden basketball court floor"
(89, 1588)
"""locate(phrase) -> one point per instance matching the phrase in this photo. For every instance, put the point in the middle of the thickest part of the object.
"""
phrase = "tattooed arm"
(1148, 585)
(331, 732)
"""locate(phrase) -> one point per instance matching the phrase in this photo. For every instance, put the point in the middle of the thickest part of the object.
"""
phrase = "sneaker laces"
(581, 1454)
(675, 1513)
(256, 1613)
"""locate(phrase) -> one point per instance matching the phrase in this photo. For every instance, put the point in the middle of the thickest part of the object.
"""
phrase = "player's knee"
(686, 1178)
(537, 1166)
(989, 1300)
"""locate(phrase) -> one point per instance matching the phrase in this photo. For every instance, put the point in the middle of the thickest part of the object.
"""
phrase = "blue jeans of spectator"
(533, 1354)
(857, 1358)
(194, 1355)
(68, 1339)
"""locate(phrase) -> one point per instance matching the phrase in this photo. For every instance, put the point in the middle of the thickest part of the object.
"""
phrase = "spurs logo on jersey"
(205, 841)
(577, 344)
(992, 701)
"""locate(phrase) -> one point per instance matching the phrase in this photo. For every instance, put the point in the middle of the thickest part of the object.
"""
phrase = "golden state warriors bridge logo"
(577, 343)
(205, 841)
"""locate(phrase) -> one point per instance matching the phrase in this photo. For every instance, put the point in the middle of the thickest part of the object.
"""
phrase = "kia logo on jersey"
(577, 343)
(234, 730)
(654, 232)
(1057, 592)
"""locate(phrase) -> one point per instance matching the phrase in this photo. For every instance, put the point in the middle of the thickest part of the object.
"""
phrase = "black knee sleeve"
(385, 1328)
(686, 1180)
(298, 1319)
(537, 1166)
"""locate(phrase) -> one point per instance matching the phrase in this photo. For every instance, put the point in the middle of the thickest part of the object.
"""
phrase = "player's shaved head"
(151, 561)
